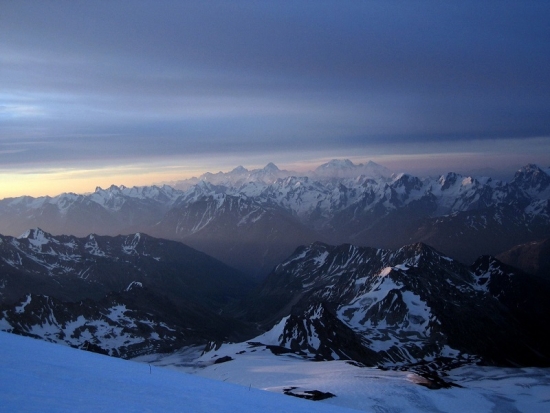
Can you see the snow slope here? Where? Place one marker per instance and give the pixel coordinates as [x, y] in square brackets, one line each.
[484, 389]
[39, 376]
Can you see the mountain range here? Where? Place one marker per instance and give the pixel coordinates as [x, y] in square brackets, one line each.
[252, 220]
[132, 295]
[403, 307]
[373, 268]
[126, 294]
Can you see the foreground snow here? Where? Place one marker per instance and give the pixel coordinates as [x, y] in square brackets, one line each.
[370, 389]
[39, 376]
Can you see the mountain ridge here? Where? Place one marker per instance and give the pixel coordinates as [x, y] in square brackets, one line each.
[462, 216]
[132, 295]
[403, 307]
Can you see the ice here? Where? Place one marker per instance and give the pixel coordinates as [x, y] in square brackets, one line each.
[385, 272]
[419, 313]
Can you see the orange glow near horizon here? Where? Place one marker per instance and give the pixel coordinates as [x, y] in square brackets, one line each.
[37, 182]
[52, 183]
[44, 181]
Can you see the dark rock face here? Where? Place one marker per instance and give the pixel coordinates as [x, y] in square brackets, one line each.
[314, 395]
[413, 306]
[223, 359]
[107, 326]
[404, 307]
[524, 297]
[126, 295]
[74, 268]
[532, 257]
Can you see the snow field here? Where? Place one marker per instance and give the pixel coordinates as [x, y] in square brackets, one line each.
[40, 376]
[36, 376]
[483, 389]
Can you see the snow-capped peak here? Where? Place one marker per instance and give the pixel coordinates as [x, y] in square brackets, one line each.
[336, 164]
[531, 177]
[34, 234]
[271, 167]
[239, 170]
[344, 168]
[36, 237]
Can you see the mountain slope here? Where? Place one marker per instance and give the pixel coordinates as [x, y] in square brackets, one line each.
[395, 307]
[126, 295]
[112, 211]
[533, 257]
[92, 266]
[235, 229]
[39, 376]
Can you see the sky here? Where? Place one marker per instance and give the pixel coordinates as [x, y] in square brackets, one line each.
[141, 92]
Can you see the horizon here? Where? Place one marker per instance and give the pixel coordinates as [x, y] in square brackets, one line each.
[502, 175]
[141, 93]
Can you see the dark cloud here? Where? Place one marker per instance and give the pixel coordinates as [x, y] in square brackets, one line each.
[111, 80]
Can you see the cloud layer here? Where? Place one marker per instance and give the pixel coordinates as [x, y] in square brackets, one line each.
[106, 82]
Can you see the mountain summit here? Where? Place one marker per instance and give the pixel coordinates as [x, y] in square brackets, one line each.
[403, 307]
[344, 168]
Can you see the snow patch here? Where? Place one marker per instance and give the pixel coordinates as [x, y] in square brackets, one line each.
[134, 284]
[129, 246]
[21, 308]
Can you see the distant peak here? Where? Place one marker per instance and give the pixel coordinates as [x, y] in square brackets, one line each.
[529, 167]
[271, 167]
[529, 170]
[344, 168]
[204, 184]
[418, 249]
[112, 188]
[33, 233]
[401, 176]
[36, 237]
[531, 176]
[337, 163]
[239, 169]
[25, 234]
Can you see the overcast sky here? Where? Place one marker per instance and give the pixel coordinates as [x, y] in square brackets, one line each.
[101, 92]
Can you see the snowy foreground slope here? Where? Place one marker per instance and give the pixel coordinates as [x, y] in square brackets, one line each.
[475, 389]
[36, 376]
[40, 376]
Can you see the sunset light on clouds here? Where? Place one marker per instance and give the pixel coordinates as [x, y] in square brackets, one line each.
[135, 93]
